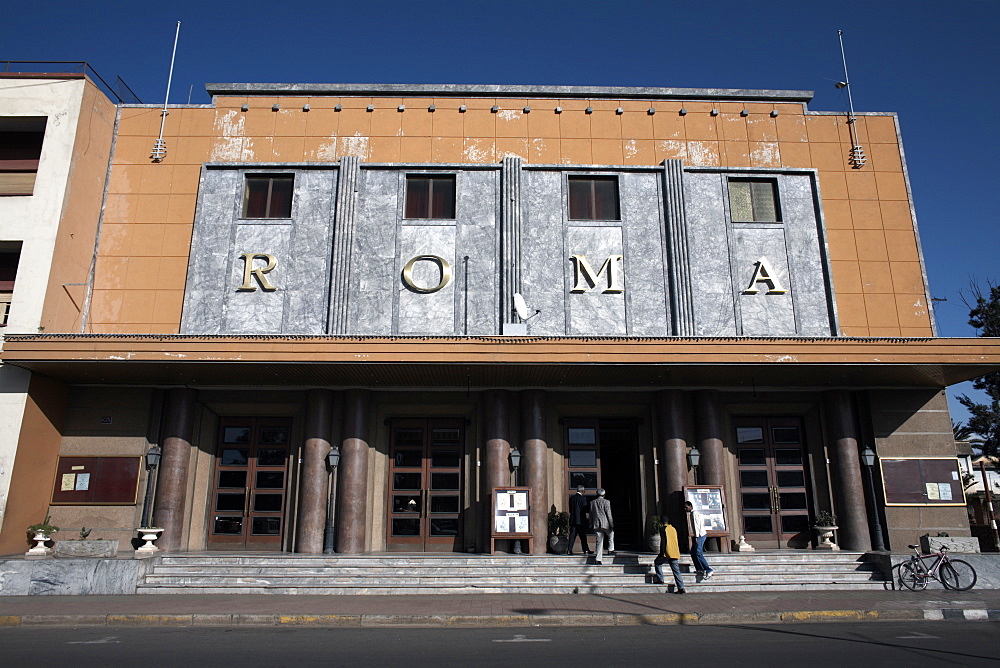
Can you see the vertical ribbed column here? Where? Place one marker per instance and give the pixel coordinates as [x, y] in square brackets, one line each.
[510, 237]
[172, 482]
[678, 263]
[849, 492]
[343, 236]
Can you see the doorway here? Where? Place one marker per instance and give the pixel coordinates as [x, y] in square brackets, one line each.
[604, 453]
[425, 485]
[249, 490]
[774, 498]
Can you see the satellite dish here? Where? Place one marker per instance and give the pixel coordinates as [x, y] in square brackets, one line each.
[520, 307]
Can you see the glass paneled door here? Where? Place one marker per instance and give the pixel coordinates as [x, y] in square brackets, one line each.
[249, 492]
[774, 499]
[425, 485]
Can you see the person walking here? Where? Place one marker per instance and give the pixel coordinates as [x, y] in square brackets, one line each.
[602, 524]
[578, 520]
[698, 544]
[670, 552]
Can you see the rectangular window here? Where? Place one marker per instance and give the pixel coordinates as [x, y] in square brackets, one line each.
[10, 256]
[593, 198]
[430, 196]
[268, 196]
[20, 151]
[754, 201]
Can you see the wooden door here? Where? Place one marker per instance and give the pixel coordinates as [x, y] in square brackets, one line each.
[773, 493]
[250, 487]
[425, 485]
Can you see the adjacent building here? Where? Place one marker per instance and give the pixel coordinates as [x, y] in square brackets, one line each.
[637, 289]
[55, 142]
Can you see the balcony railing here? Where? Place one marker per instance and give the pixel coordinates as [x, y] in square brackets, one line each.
[119, 91]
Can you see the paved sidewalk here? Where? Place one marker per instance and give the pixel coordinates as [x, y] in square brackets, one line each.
[482, 610]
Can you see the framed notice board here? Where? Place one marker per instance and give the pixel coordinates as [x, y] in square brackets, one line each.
[98, 481]
[707, 500]
[922, 481]
[510, 512]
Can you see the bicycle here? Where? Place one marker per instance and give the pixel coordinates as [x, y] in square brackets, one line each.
[952, 573]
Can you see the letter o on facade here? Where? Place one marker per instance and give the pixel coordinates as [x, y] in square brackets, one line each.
[442, 265]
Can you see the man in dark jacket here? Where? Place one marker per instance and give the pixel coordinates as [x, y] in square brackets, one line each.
[578, 520]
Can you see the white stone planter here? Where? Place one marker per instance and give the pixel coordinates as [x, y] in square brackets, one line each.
[149, 535]
[39, 550]
[100, 549]
[824, 538]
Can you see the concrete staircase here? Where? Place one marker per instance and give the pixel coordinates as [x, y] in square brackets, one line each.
[286, 573]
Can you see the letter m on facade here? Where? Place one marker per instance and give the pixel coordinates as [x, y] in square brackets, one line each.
[584, 277]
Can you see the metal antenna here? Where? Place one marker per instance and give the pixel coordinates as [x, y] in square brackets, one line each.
[857, 155]
[160, 146]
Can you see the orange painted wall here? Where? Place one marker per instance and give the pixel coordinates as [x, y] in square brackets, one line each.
[34, 469]
[146, 231]
[74, 247]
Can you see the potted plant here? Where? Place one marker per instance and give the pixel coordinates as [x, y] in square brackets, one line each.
[654, 535]
[558, 531]
[825, 524]
[41, 533]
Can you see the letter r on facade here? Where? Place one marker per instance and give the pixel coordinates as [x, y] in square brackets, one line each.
[250, 272]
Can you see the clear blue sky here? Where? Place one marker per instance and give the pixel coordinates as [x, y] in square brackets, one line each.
[934, 63]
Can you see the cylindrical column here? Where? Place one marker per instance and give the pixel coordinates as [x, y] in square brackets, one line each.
[171, 484]
[352, 489]
[673, 463]
[710, 437]
[313, 474]
[534, 451]
[849, 492]
[497, 470]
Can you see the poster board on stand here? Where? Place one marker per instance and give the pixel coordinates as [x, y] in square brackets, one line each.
[709, 501]
[511, 516]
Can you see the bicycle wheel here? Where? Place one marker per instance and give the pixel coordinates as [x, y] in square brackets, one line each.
[911, 577]
[958, 575]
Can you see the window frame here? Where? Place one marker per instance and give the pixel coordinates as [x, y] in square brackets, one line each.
[19, 160]
[592, 206]
[269, 204]
[429, 209]
[750, 181]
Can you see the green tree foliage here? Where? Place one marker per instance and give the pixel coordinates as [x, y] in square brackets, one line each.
[984, 418]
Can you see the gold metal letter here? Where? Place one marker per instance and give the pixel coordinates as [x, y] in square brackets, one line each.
[763, 273]
[442, 265]
[582, 270]
[256, 272]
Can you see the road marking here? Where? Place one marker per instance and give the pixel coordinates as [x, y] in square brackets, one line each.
[520, 638]
[102, 641]
[914, 635]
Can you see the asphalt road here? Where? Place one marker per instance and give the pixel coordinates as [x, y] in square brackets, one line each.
[881, 644]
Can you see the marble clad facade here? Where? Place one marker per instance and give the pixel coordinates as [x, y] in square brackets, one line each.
[247, 346]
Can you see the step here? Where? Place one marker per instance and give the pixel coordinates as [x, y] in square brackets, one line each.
[626, 572]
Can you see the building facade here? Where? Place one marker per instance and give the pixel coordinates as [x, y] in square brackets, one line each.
[55, 144]
[427, 279]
